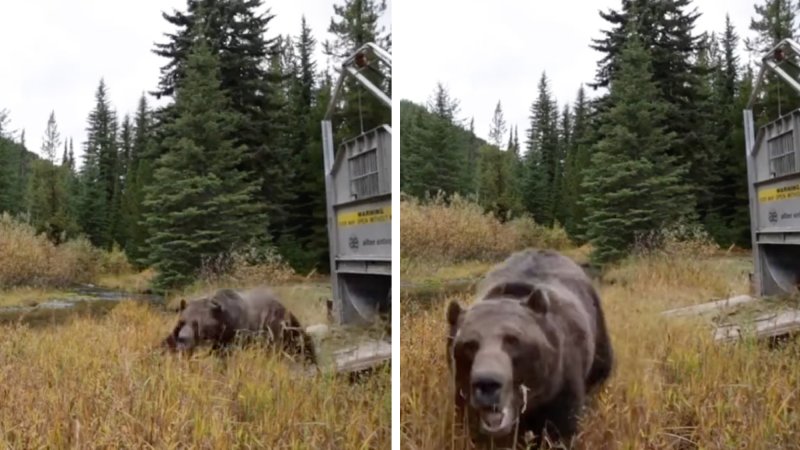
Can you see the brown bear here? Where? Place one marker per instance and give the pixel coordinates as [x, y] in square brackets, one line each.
[527, 352]
[228, 315]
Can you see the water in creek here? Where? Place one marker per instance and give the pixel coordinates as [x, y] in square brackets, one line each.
[84, 300]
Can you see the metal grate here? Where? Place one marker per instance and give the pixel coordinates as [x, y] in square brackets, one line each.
[781, 154]
[364, 174]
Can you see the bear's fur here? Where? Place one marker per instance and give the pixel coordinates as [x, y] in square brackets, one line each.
[529, 350]
[228, 316]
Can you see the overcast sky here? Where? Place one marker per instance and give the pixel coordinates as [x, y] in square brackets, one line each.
[54, 53]
[498, 50]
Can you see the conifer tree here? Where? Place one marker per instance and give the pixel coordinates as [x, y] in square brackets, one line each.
[666, 29]
[562, 168]
[200, 204]
[99, 171]
[139, 174]
[577, 162]
[10, 200]
[49, 190]
[238, 32]
[442, 167]
[540, 180]
[633, 185]
[497, 129]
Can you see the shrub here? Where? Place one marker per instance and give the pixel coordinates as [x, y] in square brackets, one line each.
[30, 259]
[116, 262]
[446, 230]
[253, 265]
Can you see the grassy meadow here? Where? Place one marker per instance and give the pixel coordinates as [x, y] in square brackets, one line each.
[672, 388]
[99, 381]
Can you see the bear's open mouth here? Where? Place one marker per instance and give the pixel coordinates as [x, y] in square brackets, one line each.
[497, 422]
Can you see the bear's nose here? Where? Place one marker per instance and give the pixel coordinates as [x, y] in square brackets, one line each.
[486, 391]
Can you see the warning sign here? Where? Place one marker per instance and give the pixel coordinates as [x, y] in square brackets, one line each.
[365, 216]
[777, 194]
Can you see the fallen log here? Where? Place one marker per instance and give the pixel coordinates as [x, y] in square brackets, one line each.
[702, 308]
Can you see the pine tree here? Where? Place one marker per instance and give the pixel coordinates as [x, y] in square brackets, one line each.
[562, 168]
[316, 241]
[200, 205]
[139, 175]
[73, 186]
[49, 190]
[415, 156]
[540, 180]
[99, 172]
[495, 178]
[576, 163]
[237, 31]
[10, 200]
[633, 185]
[300, 243]
[666, 30]
[497, 129]
[442, 168]
[65, 156]
[119, 216]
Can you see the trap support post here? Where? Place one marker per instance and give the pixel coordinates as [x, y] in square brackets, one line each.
[358, 197]
[773, 181]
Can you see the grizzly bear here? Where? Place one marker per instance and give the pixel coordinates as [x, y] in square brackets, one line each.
[228, 316]
[525, 355]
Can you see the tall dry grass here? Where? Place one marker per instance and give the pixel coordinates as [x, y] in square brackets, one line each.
[672, 388]
[442, 231]
[30, 259]
[98, 384]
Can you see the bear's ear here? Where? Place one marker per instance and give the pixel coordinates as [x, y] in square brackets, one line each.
[182, 305]
[216, 308]
[539, 301]
[454, 311]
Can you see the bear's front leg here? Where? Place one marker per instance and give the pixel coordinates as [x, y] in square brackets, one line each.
[558, 419]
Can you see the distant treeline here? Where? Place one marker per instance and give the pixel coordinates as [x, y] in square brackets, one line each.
[663, 145]
[232, 163]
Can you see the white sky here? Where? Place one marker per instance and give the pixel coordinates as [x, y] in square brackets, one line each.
[497, 50]
[54, 53]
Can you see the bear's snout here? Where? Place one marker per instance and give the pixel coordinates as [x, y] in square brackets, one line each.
[486, 391]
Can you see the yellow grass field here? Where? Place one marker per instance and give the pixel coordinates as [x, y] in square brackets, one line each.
[672, 386]
[97, 383]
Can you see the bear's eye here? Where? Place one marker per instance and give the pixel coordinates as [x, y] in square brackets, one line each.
[467, 348]
[511, 340]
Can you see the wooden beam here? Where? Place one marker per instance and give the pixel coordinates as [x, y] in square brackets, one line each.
[764, 326]
[362, 356]
[708, 307]
[356, 358]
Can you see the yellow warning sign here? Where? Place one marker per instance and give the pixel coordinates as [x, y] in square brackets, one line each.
[365, 216]
[777, 194]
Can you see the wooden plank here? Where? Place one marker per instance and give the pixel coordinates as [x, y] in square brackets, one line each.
[355, 358]
[362, 356]
[708, 307]
[764, 326]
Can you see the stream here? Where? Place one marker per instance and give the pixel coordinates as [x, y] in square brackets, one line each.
[82, 300]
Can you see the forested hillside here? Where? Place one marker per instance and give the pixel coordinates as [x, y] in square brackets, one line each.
[232, 163]
[660, 144]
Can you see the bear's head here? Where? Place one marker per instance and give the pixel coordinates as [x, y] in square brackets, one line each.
[200, 321]
[505, 354]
